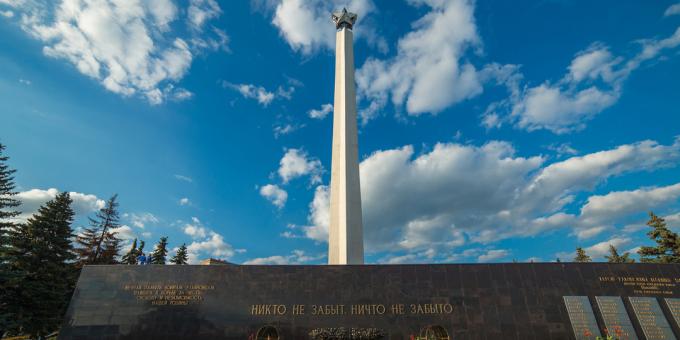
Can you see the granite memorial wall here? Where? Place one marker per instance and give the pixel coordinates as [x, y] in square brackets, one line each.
[452, 301]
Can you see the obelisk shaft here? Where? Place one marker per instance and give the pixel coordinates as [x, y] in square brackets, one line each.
[345, 244]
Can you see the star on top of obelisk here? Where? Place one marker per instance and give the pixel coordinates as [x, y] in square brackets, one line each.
[343, 19]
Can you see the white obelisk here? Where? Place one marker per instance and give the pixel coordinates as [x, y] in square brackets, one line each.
[345, 239]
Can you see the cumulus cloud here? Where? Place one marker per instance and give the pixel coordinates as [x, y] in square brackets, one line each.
[274, 194]
[322, 112]
[428, 74]
[184, 201]
[603, 209]
[598, 250]
[461, 194]
[306, 26]
[296, 163]
[207, 243]
[31, 200]
[128, 46]
[295, 257]
[593, 83]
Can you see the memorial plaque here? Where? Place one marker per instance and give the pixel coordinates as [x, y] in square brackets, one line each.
[509, 301]
[582, 317]
[674, 306]
[651, 318]
[615, 317]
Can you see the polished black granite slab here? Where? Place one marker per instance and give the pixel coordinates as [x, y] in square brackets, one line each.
[463, 301]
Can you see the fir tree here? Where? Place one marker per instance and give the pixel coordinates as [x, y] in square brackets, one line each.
[98, 244]
[161, 251]
[614, 256]
[131, 256]
[111, 249]
[41, 255]
[581, 256]
[667, 248]
[181, 256]
[140, 250]
[7, 211]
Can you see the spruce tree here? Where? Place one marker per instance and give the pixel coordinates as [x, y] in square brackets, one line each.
[161, 251]
[140, 250]
[581, 256]
[41, 255]
[667, 248]
[614, 256]
[97, 243]
[131, 256]
[7, 211]
[181, 256]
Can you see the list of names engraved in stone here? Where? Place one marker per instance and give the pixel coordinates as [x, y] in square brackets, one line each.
[615, 317]
[674, 306]
[582, 317]
[651, 318]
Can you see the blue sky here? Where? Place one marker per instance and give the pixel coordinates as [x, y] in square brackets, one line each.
[489, 131]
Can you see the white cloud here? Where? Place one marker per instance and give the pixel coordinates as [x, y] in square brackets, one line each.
[493, 255]
[207, 243]
[428, 73]
[251, 91]
[201, 11]
[184, 201]
[296, 163]
[124, 232]
[140, 220]
[672, 10]
[296, 257]
[593, 83]
[280, 130]
[306, 27]
[263, 96]
[7, 14]
[601, 209]
[128, 46]
[322, 112]
[598, 250]
[31, 200]
[184, 178]
[212, 246]
[25, 81]
[459, 194]
[274, 194]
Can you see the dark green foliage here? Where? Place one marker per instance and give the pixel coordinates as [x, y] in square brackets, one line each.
[614, 256]
[7, 211]
[131, 256]
[181, 256]
[41, 256]
[667, 248]
[161, 251]
[98, 244]
[581, 256]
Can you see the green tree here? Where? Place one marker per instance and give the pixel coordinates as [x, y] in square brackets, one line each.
[614, 256]
[181, 256]
[131, 256]
[7, 211]
[581, 256]
[42, 256]
[667, 249]
[161, 251]
[99, 243]
[140, 250]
